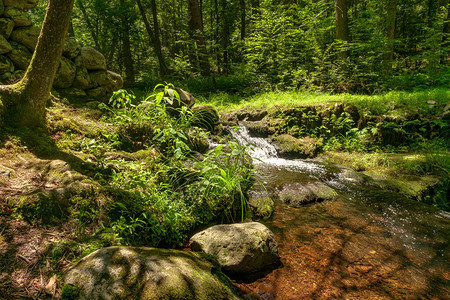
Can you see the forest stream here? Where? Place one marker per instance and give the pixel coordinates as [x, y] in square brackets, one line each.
[367, 244]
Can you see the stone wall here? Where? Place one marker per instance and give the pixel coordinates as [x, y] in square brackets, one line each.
[82, 72]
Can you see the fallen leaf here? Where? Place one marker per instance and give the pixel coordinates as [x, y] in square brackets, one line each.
[50, 288]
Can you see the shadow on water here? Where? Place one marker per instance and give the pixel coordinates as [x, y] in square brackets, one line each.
[367, 244]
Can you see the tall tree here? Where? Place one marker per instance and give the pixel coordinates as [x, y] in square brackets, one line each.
[25, 102]
[341, 24]
[154, 34]
[126, 44]
[196, 34]
[390, 35]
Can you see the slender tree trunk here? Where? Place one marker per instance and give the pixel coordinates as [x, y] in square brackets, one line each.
[25, 101]
[126, 46]
[243, 21]
[390, 35]
[342, 25]
[86, 18]
[225, 35]
[196, 33]
[156, 44]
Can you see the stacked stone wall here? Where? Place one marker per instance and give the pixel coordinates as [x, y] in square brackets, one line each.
[82, 72]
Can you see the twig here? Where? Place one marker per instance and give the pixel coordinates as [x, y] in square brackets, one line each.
[322, 12]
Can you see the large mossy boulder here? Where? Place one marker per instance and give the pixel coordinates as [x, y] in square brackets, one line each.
[6, 65]
[21, 4]
[5, 46]
[65, 74]
[298, 194]
[19, 55]
[147, 274]
[82, 79]
[27, 36]
[239, 248]
[71, 48]
[20, 17]
[6, 27]
[291, 147]
[92, 60]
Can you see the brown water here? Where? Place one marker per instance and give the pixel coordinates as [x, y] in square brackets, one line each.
[367, 244]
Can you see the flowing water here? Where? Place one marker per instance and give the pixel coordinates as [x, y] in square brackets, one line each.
[367, 244]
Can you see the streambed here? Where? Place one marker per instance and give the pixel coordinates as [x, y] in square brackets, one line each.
[367, 244]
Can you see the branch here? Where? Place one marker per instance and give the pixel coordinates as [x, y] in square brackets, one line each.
[318, 15]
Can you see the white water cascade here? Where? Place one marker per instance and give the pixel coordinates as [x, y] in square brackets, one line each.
[264, 153]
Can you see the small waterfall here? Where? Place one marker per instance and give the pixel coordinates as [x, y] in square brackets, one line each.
[265, 153]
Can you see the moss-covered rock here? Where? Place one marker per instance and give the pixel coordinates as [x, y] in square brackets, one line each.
[260, 128]
[5, 46]
[298, 194]
[19, 55]
[6, 27]
[148, 273]
[6, 65]
[92, 59]
[20, 17]
[71, 48]
[27, 36]
[260, 203]
[65, 74]
[291, 147]
[205, 116]
[239, 248]
[21, 4]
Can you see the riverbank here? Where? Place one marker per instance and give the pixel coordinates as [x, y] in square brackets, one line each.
[399, 139]
[137, 175]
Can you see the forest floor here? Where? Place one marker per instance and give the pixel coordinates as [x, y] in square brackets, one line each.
[39, 239]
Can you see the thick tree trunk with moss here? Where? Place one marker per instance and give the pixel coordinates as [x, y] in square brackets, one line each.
[25, 102]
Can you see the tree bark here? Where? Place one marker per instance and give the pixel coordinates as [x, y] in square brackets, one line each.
[126, 46]
[154, 35]
[25, 101]
[390, 35]
[341, 24]
[243, 19]
[196, 34]
[225, 15]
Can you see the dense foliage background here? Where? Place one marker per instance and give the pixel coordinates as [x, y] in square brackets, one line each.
[358, 46]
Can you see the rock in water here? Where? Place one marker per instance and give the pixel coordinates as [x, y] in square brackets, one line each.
[148, 273]
[298, 194]
[239, 248]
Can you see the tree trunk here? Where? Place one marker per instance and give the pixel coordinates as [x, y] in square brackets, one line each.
[341, 25]
[25, 101]
[126, 46]
[243, 21]
[154, 36]
[390, 35]
[196, 34]
[225, 35]
[80, 4]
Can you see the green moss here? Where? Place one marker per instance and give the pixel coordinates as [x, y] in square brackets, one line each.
[69, 292]
[262, 207]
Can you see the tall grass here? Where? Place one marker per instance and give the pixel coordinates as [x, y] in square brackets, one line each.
[386, 103]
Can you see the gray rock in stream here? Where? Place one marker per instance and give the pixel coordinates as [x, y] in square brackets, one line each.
[239, 248]
[298, 194]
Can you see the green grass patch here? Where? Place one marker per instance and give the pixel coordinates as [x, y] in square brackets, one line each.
[395, 103]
